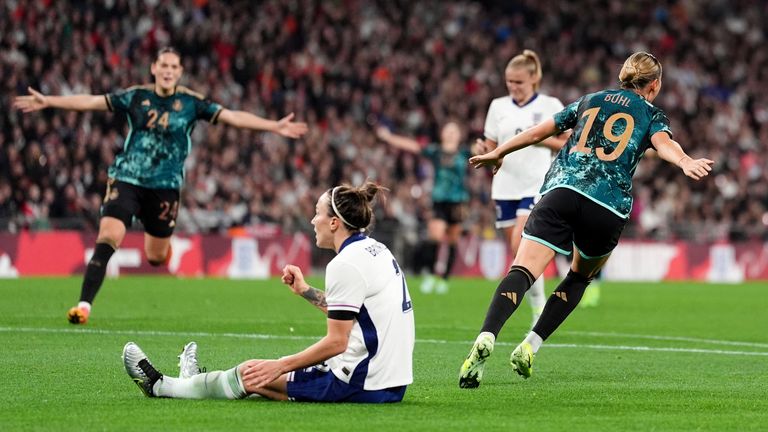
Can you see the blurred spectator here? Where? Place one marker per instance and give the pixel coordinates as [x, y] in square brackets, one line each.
[347, 66]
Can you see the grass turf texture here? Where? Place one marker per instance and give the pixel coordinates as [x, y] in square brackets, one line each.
[650, 357]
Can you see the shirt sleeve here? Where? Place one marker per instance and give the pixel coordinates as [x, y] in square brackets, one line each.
[120, 100]
[344, 287]
[207, 110]
[568, 117]
[430, 151]
[491, 130]
[659, 123]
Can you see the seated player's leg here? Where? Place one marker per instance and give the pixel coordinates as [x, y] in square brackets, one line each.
[120, 204]
[276, 390]
[188, 364]
[210, 385]
[319, 384]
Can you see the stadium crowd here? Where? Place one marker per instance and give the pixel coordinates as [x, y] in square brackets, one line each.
[348, 66]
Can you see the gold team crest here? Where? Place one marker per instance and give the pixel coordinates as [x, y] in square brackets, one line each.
[145, 102]
[177, 106]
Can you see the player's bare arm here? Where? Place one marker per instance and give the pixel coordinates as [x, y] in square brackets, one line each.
[294, 278]
[285, 126]
[398, 141]
[483, 146]
[258, 373]
[36, 101]
[556, 142]
[524, 139]
[670, 150]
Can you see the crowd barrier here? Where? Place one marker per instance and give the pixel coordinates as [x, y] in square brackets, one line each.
[263, 253]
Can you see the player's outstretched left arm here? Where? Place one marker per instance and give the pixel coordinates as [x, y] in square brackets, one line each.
[294, 278]
[670, 150]
[285, 126]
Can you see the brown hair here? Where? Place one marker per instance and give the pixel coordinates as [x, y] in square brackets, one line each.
[639, 70]
[528, 60]
[353, 205]
[167, 50]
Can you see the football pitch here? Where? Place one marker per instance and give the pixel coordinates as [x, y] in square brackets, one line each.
[651, 356]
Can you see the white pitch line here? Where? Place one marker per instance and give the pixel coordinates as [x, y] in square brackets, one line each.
[425, 341]
[667, 338]
[633, 336]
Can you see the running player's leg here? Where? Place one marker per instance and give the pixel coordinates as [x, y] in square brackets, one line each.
[120, 204]
[567, 295]
[435, 235]
[531, 260]
[452, 235]
[536, 296]
[158, 249]
[596, 234]
[158, 214]
[529, 264]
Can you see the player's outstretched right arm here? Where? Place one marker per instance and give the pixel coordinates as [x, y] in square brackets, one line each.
[524, 139]
[36, 101]
[294, 278]
[398, 141]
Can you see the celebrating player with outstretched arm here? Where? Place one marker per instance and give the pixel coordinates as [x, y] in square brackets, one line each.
[450, 194]
[367, 353]
[145, 179]
[586, 201]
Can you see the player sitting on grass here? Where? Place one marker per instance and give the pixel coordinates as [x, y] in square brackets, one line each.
[585, 205]
[367, 353]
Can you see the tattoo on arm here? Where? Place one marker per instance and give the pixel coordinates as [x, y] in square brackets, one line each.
[316, 297]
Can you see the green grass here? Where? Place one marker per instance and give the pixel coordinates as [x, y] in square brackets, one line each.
[651, 357]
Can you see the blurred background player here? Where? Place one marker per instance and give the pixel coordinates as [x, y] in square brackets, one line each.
[367, 353]
[449, 197]
[586, 200]
[516, 185]
[145, 179]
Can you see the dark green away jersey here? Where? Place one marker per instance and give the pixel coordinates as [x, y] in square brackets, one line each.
[612, 129]
[160, 134]
[450, 174]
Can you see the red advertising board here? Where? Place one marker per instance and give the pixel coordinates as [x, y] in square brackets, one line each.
[67, 252]
[257, 254]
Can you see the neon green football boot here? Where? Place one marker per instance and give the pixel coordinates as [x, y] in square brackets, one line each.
[522, 360]
[471, 372]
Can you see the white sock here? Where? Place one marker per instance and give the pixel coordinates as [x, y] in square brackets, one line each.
[536, 296]
[535, 341]
[489, 334]
[84, 305]
[211, 385]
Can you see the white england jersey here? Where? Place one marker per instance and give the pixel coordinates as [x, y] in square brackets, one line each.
[522, 173]
[365, 278]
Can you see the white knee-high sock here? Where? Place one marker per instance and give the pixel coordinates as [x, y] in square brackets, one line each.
[536, 296]
[212, 385]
